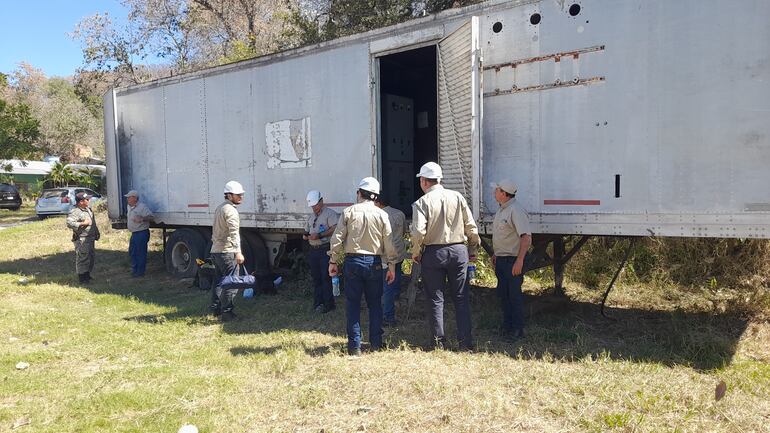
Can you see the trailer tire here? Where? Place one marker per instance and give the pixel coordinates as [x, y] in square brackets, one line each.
[256, 254]
[183, 247]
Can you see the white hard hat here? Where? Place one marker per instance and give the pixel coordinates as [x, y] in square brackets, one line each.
[430, 170]
[233, 187]
[313, 197]
[506, 185]
[370, 184]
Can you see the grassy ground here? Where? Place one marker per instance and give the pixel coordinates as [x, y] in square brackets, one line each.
[12, 217]
[127, 355]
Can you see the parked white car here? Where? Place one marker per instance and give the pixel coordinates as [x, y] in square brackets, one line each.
[59, 201]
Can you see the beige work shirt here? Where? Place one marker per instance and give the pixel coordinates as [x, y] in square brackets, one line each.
[511, 222]
[76, 216]
[397, 229]
[225, 237]
[363, 229]
[442, 217]
[139, 211]
[328, 218]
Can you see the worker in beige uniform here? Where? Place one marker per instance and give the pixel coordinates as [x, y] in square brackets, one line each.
[511, 238]
[391, 291]
[226, 249]
[319, 227]
[82, 222]
[442, 223]
[361, 238]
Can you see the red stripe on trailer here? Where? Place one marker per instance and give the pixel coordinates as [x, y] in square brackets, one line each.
[572, 202]
[339, 204]
[197, 205]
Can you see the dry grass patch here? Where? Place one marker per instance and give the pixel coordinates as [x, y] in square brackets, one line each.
[125, 355]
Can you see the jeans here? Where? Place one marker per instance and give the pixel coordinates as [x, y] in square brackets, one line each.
[389, 294]
[509, 292]
[222, 299]
[447, 264]
[319, 271]
[363, 276]
[137, 250]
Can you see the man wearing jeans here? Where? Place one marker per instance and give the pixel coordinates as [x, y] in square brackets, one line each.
[392, 290]
[320, 225]
[361, 237]
[441, 224]
[226, 249]
[511, 238]
[138, 222]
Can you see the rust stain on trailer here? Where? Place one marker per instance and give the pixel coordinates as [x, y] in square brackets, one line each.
[555, 56]
[572, 202]
[197, 205]
[555, 85]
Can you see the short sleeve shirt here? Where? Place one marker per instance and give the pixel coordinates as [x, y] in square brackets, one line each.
[510, 223]
[327, 218]
[141, 211]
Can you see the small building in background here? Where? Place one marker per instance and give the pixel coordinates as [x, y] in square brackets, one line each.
[24, 173]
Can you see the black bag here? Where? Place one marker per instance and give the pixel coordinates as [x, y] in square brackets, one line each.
[204, 278]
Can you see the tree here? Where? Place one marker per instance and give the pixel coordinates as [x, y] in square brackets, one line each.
[18, 129]
[61, 175]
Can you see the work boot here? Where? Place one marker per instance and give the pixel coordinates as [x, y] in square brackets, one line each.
[88, 277]
[82, 278]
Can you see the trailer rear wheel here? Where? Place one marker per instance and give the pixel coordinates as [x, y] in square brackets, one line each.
[255, 252]
[183, 247]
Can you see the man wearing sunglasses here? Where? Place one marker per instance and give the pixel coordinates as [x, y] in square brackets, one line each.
[226, 249]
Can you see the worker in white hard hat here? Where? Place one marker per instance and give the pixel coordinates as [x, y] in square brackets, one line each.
[226, 249]
[361, 240]
[318, 229]
[511, 238]
[391, 291]
[442, 223]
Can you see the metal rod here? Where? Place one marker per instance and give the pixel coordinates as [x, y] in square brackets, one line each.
[617, 274]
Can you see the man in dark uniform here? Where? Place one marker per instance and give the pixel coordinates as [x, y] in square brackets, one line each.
[84, 233]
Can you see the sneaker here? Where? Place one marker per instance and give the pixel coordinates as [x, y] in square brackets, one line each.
[228, 316]
[318, 309]
[355, 351]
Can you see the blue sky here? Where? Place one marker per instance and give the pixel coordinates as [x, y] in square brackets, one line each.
[35, 31]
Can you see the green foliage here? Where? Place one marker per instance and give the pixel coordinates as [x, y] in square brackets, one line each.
[60, 175]
[18, 131]
[434, 6]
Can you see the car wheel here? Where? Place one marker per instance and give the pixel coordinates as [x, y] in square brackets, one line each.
[182, 248]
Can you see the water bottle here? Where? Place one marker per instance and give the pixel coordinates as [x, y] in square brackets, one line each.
[321, 229]
[471, 272]
[277, 282]
[248, 293]
[336, 285]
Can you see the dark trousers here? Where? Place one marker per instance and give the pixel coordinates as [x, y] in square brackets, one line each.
[447, 263]
[322, 282]
[363, 277]
[137, 250]
[389, 294]
[222, 299]
[509, 292]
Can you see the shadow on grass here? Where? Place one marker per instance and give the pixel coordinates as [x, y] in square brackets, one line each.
[556, 329]
[311, 351]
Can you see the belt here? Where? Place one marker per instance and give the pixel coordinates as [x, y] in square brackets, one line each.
[361, 255]
[444, 245]
[326, 245]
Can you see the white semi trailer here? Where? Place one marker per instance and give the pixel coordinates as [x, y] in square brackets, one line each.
[615, 117]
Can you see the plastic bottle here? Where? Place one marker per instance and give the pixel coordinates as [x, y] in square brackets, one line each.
[471, 272]
[336, 285]
[277, 282]
[321, 229]
[248, 293]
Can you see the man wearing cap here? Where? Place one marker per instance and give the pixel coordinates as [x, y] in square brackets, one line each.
[361, 239]
[511, 238]
[320, 225]
[441, 224]
[226, 249]
[138, 222]
[391, 291]
[84, 233]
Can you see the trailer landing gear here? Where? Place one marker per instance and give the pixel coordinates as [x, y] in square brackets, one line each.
[540, 258]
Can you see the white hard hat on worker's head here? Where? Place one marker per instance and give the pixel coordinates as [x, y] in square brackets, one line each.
[430, 170]
[234, 187]
[313, 197]
[370, 184]
[506, 185]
